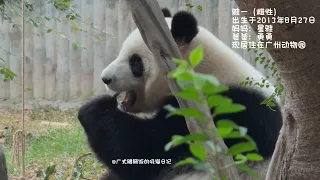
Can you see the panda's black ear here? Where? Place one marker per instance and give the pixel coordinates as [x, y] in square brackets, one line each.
[166, 12]
[184, 27]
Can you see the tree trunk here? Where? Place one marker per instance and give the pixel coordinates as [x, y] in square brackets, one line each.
[297, 153]
[156, 34]
[3, 166]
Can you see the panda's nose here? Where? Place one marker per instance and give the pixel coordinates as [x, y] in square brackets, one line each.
[107, 80]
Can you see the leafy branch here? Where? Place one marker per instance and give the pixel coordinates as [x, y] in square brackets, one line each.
[264, 83]
[36, 23]
[205, 90]
[7, 73]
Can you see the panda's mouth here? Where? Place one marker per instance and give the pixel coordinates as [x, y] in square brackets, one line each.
[128, 101]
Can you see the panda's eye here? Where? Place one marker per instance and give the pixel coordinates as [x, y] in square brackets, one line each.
[136, 65]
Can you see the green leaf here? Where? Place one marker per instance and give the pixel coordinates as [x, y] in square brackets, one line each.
[196, 137]
[27, 89]
[175, 141]
[75, 45]
[34, 23]
[227, 109]
[226, 123]
[208, 78]
[254, 157]
[75, 28]
[178, 140]
[62, 35]
[179, 61]
[185, 76]
[72, 16]
[266, 101]
[222, 132]
[208, 89]
[185, 85]
[271, 104]
[186, 161]
[235, 135]
[49, 171]
[241, 148]
[225, 127]
[241, 158]
[49, 30]
[189, 5]
[246, 169]
[199, 8]
[261, 61]
[218, 100]
[200, 81]
[183, 65]
[188, 112]
[212, 80]
[196, 56]
[198, 150]
[189, 95]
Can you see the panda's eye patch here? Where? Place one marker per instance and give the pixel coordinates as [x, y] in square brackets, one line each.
[136, 65]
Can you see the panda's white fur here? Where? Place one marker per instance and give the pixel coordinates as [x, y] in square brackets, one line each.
[219, 60]
[152, 88]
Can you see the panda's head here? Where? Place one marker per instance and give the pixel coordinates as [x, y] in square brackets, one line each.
[135, 72]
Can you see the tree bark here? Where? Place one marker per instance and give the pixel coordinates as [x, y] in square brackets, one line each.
[297, 153]
[156, 34]
[3, 166]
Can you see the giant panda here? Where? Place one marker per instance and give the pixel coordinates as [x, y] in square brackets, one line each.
[131, 123]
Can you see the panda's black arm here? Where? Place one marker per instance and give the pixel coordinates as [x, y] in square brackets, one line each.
[98, 119]
[114, 134]
[90, 112]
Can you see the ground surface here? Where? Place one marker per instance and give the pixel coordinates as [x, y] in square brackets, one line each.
[54, 137]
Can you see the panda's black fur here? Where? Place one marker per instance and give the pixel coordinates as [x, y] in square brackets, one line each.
[184, 26]
[166, 12]
[114, 134]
